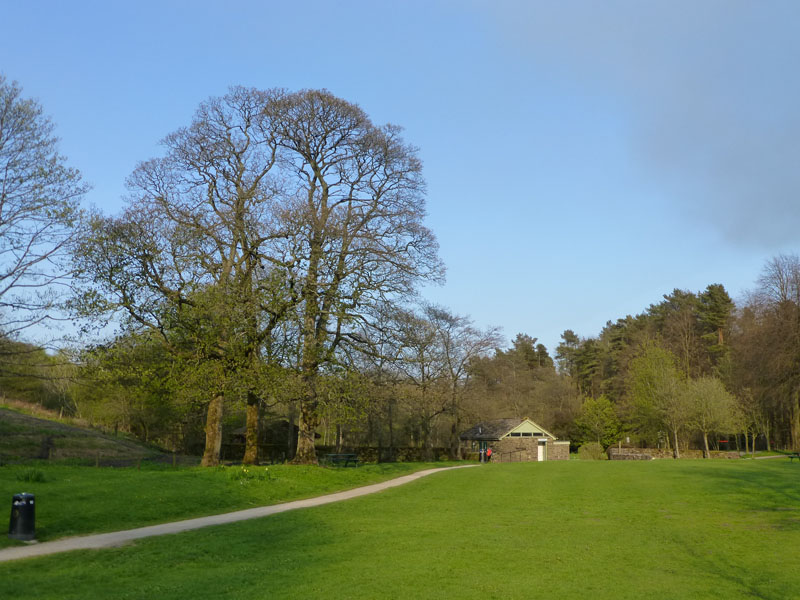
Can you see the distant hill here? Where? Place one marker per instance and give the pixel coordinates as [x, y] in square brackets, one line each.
[24, 437]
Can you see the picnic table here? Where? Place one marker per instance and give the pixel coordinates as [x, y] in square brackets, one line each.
[342, 459]
[793, 455]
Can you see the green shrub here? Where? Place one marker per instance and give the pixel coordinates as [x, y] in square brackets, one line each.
[592, 451]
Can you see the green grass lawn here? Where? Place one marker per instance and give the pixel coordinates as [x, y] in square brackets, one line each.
[573, 529]
[79, 500]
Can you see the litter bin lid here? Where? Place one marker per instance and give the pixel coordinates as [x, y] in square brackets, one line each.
[23, 497]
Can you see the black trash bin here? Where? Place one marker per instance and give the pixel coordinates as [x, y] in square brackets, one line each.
[22, 525]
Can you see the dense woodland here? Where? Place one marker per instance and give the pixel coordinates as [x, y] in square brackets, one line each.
[265, 271]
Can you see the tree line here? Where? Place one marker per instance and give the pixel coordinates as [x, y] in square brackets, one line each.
[696, 364]
[267, 265]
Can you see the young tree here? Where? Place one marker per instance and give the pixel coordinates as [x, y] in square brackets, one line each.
[39, 207]
[753, 418]
[598, 421]
[129, 385]
[460, 343]
[656, 392]
[712, 408]
[420, 358]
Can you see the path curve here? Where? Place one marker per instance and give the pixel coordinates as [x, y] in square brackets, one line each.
[118, 538]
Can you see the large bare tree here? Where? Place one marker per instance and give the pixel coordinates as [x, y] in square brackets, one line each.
[422, 385]
[461, 343]
[433, 350]
[272, 210]
[767, 348]
[187, 257]
[355, 199]
[39, 206]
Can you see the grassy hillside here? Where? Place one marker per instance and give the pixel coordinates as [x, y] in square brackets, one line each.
[24, 437]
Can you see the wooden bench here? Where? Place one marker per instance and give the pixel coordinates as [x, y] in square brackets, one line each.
[342, 459]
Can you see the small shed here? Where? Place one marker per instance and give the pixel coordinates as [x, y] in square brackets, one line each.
[514, 440]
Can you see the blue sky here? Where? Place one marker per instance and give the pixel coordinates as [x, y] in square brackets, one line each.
[582, 158]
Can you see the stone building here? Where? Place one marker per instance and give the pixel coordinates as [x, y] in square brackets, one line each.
[513, 440]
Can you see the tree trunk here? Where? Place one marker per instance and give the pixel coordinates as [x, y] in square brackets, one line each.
[795, 424]
[767, 436]
[380, 440]
[251, 431]
[391, 432]
[291, 441]
[427, 438]
[306, 452]
[213, 433]
[706, 453]
[327, 429]
[676, 453]
[454, 441]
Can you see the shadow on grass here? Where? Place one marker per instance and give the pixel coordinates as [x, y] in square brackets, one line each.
[764, 497]
[758, 485]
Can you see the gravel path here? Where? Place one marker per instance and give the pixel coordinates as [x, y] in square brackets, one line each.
[118, 538]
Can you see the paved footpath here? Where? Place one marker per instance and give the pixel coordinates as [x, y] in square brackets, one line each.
[118, 538]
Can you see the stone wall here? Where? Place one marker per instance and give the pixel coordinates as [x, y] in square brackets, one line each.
[558, 450]
[517, 449]
[616, 453]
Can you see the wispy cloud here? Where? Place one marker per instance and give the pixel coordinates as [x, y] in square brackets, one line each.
[712, 91]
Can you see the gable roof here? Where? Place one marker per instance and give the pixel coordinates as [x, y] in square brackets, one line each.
[499, 428]
[490, 430]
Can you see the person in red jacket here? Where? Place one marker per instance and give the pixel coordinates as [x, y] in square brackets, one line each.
[488, 454]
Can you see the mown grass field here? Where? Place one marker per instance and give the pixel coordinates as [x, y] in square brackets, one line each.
[660, 529]
[74, 500]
